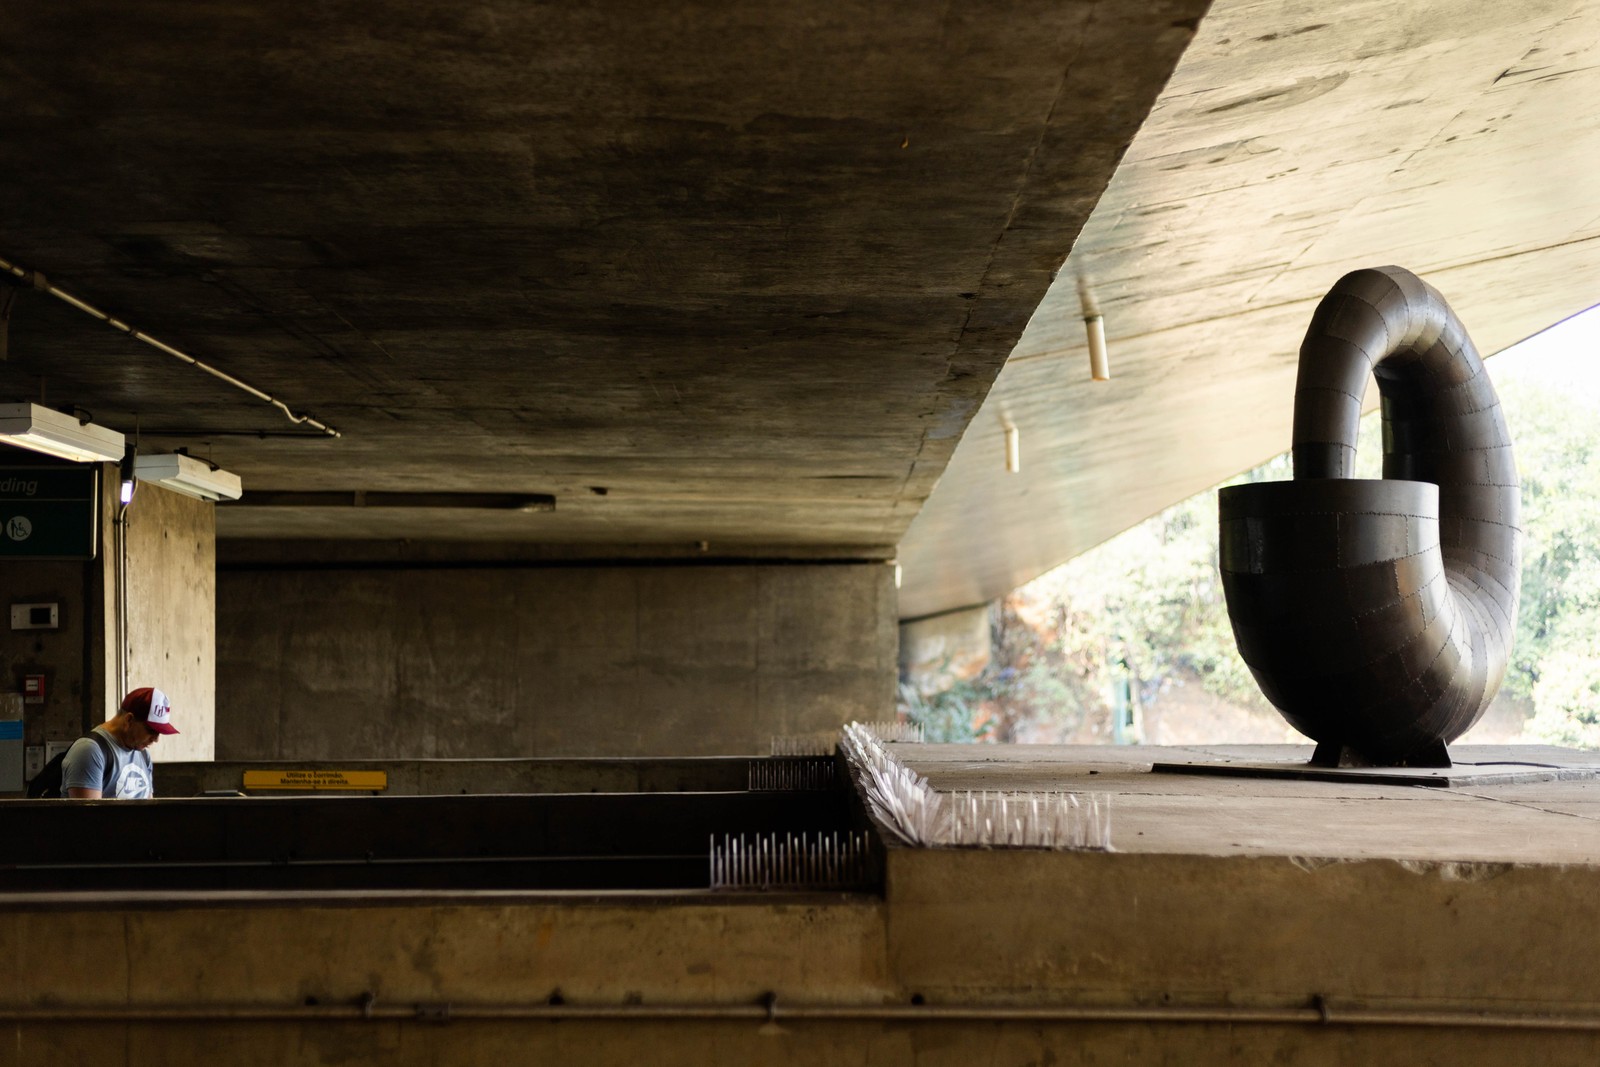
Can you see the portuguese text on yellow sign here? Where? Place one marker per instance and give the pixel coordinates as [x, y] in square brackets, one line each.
[366, 781]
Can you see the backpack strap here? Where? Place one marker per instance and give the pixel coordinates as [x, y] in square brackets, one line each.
[109, 757]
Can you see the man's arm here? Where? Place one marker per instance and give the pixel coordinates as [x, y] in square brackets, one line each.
[83, 770]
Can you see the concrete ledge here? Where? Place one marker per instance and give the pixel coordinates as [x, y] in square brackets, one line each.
[1241, 922]
[1099, 928]
[433, 777]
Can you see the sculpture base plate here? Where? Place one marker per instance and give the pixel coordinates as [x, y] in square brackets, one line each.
[1458, 776]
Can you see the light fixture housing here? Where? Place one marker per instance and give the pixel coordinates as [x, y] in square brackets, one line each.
[1013, 449]
[187, 475]
[41, 429]
[1099, 361]
[125, 493]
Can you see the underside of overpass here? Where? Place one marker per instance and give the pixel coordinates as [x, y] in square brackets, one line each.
[634, 368]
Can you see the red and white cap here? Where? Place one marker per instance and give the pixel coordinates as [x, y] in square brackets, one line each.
[151, 707]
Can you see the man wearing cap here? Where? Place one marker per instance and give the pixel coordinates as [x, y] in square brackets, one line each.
[145, 715]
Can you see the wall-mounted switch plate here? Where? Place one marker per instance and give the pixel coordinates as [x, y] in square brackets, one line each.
[35, 616]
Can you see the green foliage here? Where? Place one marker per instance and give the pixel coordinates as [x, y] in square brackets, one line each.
[1556, 660]
[1148, 600]
[1558, 454]
[1566, 698]
[951, 714]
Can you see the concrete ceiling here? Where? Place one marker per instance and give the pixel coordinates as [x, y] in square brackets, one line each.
[1293, 144]
[736, 274]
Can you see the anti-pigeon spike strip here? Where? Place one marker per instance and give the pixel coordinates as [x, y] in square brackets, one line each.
[893, 731]
[804, 744]
[908, 807]
[789, 774]
[790, 861]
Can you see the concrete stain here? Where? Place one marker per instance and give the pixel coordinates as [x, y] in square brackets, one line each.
[1457, 871]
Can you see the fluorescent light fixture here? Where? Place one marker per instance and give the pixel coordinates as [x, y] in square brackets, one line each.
[41, 429]
[191, 477]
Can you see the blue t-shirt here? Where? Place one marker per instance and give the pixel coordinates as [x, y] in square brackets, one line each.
[85, 768]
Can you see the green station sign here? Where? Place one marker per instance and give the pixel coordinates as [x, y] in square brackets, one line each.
[49, 512]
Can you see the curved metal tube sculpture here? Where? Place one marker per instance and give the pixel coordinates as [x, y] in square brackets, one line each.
[1377, 616]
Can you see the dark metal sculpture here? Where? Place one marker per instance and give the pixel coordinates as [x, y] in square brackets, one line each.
[1377, 616]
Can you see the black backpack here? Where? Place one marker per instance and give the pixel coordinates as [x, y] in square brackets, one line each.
[47, 783]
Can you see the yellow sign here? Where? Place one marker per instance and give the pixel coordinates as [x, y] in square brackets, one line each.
[367, 781]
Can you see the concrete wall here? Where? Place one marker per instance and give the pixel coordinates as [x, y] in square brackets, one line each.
[169, 613]
[940, 650]
[479, 661]
[999, 957]
[60, 654]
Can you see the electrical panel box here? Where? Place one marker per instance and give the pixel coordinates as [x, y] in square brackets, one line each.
[35, 616]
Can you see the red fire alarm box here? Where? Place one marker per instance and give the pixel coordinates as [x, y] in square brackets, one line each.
[33, 689]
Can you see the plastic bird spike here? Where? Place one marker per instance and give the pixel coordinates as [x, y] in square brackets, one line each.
[891, 731]
[904, 803]
[790, 861]
[791, 774]
[804, 744]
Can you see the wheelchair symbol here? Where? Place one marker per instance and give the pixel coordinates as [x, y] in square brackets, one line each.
[19, 528]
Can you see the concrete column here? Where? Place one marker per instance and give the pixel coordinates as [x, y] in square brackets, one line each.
[163, 569]
[937, 651]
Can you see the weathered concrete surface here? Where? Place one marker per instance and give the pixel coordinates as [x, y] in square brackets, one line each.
[936, 651]
[751, 270]
[791, 1044]
[515, 951]
[1289, 148]
[1473, 921]
[1551, 822]
[170, 613]
[1209, 930]
[531, 661]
